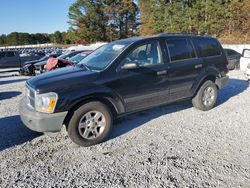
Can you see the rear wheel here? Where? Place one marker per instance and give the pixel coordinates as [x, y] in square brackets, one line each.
[90, 124]
[206, 96]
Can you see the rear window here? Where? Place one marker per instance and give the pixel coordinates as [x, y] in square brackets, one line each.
[180, 49]
[232, 52]
[208, 47]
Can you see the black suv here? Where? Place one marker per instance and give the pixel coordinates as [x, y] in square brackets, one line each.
[123, 77]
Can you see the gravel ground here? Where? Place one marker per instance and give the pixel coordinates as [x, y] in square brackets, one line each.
[171, 146]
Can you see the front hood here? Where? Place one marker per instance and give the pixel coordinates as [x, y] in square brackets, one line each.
[30, 62]
[62, 79]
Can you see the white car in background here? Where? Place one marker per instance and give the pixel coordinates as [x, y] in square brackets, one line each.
[245, 59]
[245, 62]
[247, 73]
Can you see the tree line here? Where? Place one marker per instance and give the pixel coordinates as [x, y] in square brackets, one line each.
[228, 20]
[107, 20]
[17, 38]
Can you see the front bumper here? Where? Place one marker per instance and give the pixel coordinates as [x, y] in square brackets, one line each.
[40, 122]
[27, 70]
[221, 82]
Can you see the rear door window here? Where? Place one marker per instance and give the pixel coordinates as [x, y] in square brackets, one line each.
[207, 47]
[180, 49]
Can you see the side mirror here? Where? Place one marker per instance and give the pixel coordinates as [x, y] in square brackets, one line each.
[129, 66]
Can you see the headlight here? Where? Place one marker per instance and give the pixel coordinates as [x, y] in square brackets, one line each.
[46, 103]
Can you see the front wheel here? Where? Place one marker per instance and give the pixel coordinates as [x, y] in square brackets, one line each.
[90, 124]
[206, 96]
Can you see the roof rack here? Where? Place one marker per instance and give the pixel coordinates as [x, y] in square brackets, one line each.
[191, 34]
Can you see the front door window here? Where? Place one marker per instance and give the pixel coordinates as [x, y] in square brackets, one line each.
[146, 55]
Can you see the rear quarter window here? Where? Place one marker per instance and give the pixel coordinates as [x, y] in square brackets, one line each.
[180, 49]
[208, 47]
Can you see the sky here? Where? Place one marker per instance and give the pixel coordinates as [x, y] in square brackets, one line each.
[34, 16]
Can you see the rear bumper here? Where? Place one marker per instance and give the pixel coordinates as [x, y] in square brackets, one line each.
[221, 82]
[40, 122]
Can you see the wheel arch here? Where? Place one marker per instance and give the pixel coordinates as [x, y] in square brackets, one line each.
[108, 101]
[209, 74]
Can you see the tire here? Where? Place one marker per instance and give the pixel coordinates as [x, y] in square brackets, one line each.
[85, 129]
[204, 101]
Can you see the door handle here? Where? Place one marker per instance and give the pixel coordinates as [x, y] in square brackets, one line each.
[198, 66]
[159, 73]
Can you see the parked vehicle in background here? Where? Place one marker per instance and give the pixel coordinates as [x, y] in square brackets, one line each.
[91, 47]
[233, 58]
[40, 66]
[123, 77]
[55, 63]
[79, 57]
[11, 59]
[28, 68]
[247, 73]
[245, 59]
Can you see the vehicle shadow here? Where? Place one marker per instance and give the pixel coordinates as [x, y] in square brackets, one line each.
[9, 94]
[233, 88]
[11, 81]
[13, 132]
[130, 122]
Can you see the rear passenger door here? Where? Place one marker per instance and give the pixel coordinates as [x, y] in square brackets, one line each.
[184, 67]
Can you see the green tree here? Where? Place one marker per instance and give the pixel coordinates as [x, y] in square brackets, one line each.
[122, 18]
[103, 20]
[56, 37]
[88, 20]
[146, 17]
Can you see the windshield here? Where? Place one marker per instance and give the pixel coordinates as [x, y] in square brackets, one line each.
[44, 58]
[103, 56]
[63, 56]
[76, 59]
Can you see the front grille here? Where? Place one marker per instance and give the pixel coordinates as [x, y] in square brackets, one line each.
[30, 97]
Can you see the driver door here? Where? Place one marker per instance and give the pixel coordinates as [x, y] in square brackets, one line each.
[145, 85]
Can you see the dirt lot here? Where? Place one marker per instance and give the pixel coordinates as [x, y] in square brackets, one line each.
[175, 146]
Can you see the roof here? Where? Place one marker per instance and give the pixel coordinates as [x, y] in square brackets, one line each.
[134, 39]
